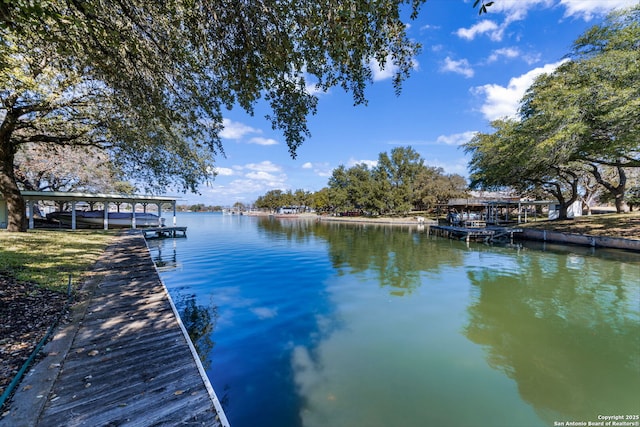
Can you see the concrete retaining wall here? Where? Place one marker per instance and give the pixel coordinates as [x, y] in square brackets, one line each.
[580, 239]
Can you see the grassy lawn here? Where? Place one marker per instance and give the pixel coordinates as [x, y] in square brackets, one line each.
[611, 225]
[47, 258]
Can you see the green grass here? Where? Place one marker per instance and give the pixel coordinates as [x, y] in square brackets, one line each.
[47, 258]
[625, 225]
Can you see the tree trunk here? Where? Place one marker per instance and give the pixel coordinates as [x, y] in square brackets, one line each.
[617, 191]
[620, 203]
[17, 218]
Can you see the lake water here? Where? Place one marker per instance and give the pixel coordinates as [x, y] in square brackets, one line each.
[313, 324]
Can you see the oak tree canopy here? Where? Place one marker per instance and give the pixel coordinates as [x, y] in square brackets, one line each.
[148, 81]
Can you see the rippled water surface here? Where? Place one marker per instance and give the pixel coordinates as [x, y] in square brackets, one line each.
[311, 324]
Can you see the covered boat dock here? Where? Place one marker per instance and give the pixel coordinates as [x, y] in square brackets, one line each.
[106, 200]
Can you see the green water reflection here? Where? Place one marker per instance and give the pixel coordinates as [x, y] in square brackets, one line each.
[566, 329]
[559, 333]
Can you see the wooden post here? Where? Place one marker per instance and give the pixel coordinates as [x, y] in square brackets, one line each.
[106, 214]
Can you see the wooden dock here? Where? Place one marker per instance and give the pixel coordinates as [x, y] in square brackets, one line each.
[160, 232]
[484, 234]
[130, 361]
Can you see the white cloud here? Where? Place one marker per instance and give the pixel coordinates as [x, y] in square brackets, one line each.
[460, 67]
[236, 130]
[263, 141]
[252, 180]
[456, 138]
[460, 166]
[371, 163]
[516, 10]
[513, 52]
[389, 70]
[265, 166]
[531, 58]
[223, 171]
[323, 169]
[261, 176]
[482, 27]
[313, 89]
[503, 101]
[506, 52]
[588, 9]
[429, 27]
[382, 73]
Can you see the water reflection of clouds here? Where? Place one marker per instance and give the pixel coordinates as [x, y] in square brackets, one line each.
[264, 312]
[230, 300]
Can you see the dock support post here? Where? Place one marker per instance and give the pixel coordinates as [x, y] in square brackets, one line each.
[30, 210]
[173, 204]
[73, 215]
[159, 214]
[133, 215]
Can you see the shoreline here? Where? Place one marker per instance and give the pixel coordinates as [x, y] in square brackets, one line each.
[527, 234]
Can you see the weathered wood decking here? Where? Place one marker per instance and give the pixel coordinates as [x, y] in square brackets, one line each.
[130, 363]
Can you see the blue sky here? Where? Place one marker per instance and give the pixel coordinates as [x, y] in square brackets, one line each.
[472, 69]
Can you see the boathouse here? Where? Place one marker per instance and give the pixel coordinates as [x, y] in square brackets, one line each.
[498, 208]
[105, 201]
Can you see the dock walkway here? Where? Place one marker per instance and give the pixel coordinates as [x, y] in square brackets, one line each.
[129, 361]
[160, 232]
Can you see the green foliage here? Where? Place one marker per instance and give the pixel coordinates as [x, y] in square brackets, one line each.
[581, 119]
[275, 199]
[397, 173]
[398, 184]
[434, 187]
[633, 197]
[148, 81]
[189, 59]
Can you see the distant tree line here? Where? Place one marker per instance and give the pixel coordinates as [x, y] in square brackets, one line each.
[198, 207]
[398, 184]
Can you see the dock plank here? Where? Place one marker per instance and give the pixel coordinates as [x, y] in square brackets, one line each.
[130, 363]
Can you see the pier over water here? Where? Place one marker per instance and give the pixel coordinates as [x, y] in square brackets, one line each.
[128, 359]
